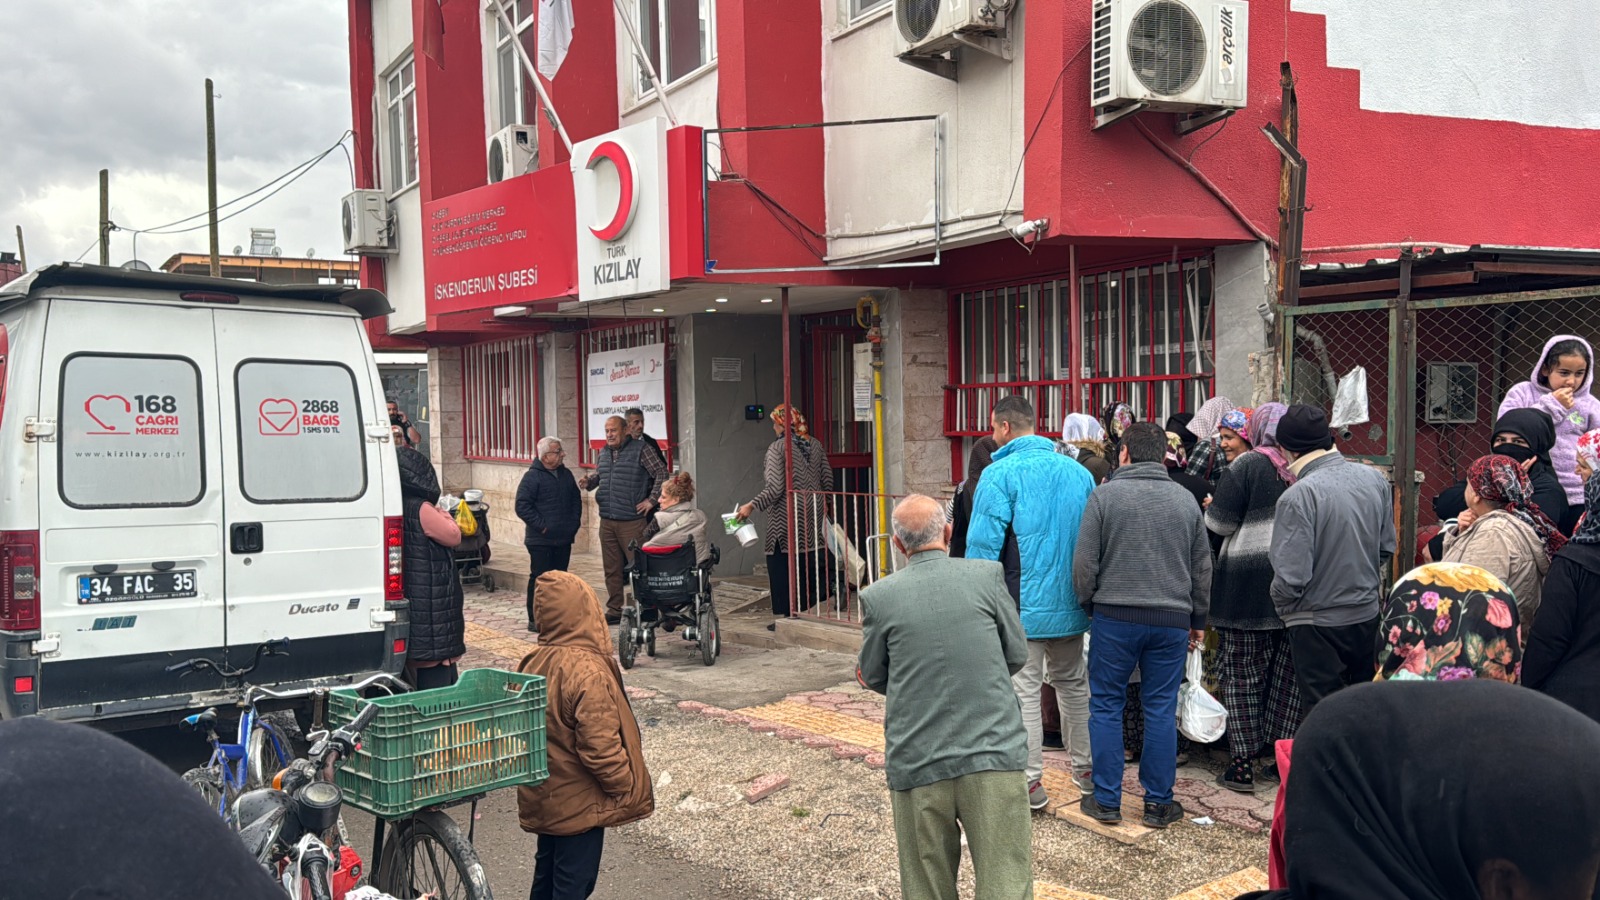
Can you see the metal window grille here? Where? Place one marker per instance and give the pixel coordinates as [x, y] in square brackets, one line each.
[500, 388]
[1145, 336]
[623, 336]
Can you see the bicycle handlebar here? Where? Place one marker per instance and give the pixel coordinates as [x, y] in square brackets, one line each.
[315, 871]
[256, 692]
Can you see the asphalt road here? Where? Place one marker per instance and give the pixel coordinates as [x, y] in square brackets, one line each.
[628, 869]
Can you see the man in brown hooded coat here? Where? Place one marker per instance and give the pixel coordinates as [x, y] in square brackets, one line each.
[597, 777]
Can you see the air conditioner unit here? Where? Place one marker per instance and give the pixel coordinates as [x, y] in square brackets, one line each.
[513, 151]
[368, 227]
[928, 32]
[1183, 56]
[1451, 393]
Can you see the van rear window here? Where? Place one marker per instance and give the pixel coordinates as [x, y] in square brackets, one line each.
[130, 431]
[300, 432]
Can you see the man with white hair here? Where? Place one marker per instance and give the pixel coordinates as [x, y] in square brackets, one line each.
[940, 640]
[549, 503]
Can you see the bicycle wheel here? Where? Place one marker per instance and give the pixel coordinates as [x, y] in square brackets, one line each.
[269, 751]
[208, 784]
[430, 852]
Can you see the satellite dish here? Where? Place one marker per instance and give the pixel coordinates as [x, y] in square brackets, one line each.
[311, 253]
[277, 251]
[137, 265]
[238, 249]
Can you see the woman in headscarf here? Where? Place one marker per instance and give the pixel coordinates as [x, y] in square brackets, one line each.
[438, 635]
[1441, 791]
[1233, 433]
[1503, 532]
[1206, 459]
[1449, 622]
[1115, 419]
[1084, 439]
[1174, 460]
[1563, 654]
[1523, 435]
[812, 475]
[1256, 671]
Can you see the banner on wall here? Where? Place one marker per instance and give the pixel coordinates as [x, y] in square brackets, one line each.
[620, 380]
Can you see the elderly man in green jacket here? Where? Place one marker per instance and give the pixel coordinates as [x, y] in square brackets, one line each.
[941, 640]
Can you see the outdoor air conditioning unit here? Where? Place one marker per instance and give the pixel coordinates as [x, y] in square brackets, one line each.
[513, 151]
[1183, 56]
[368, 227]
[929, 32]
[1451, 394]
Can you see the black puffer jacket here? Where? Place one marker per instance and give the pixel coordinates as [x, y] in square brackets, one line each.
[438, 626]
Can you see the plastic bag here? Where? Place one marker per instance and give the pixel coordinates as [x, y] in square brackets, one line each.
[845, 552]
[1350, 402]
[1200, 717]
[465, 520]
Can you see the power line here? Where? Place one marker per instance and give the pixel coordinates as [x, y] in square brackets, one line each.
[292, 175]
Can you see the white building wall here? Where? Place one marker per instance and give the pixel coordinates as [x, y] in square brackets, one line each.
[880, 178]
[391, 42]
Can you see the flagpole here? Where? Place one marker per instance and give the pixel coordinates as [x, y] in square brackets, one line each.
[644, 59]
[533, 73]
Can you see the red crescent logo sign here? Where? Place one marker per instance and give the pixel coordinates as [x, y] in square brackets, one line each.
[627, 195]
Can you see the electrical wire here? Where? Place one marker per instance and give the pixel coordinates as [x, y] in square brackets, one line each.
[86, 250]
[1209, 138]
[292, 175]
[1039, 123]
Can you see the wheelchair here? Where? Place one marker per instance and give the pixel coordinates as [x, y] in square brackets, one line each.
[668, 589]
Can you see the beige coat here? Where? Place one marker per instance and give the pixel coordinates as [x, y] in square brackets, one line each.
[1509, 548]
[676, 525]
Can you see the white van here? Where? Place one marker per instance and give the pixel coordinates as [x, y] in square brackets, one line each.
[192, 467]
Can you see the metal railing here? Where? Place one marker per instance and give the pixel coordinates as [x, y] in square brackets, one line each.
[852, 550]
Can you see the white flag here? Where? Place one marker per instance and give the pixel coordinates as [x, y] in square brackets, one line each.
[555, 35]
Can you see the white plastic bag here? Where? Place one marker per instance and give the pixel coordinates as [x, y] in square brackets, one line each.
[1200, 717]
[1350, 403]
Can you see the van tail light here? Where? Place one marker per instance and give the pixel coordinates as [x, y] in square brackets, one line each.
[19, 580]
[394, 531]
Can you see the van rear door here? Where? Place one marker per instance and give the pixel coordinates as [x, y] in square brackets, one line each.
[130, 502]
[304, 512]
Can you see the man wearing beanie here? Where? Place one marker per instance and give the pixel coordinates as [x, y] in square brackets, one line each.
[1331, 538]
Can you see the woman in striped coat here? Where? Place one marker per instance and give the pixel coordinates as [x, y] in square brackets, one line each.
[812, 475]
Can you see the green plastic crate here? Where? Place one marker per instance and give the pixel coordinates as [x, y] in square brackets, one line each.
[424, 748]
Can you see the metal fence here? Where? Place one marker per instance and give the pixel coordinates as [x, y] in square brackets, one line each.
[854, 551]
[1437, 371]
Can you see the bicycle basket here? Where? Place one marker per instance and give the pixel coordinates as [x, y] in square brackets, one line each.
[424, 748]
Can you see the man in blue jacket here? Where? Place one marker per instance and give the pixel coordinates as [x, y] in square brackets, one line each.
[1040, 495]
[549, 504]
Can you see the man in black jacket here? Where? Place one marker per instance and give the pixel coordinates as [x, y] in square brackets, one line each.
[549, 503]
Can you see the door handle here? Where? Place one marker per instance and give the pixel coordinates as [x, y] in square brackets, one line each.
[246, 537]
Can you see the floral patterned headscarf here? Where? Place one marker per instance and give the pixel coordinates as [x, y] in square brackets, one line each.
[1116, 418]
[1500, 480]
[1589, 526]
[1589, 448]
[1237, 421]
[1264, 437]
[783, 415]
[1448, 622]
[1175, 457]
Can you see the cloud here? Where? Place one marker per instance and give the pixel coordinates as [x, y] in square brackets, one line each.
[118, 84]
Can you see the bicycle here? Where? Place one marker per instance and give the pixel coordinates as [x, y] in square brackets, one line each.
[260, 748]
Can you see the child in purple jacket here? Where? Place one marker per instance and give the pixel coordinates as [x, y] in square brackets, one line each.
[1560, 388]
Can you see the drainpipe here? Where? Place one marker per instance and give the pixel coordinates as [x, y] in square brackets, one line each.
[872, 321]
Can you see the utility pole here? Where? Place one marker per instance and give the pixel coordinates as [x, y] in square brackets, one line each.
[22, 251]
[105, 217]
[211, 178]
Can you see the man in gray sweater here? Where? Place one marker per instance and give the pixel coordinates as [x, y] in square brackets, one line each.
[1143, 571]
[941, 640]
[1332, 536]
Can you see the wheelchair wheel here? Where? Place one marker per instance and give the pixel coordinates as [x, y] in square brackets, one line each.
[488, 582]
[650, 643]
[627, 640]
[710, 636]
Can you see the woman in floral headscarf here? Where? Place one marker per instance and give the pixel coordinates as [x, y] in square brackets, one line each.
[1116, 418]
[1448, 622]
[1233, 433]
[1207, 459]
[812, 476]
[1504, 532]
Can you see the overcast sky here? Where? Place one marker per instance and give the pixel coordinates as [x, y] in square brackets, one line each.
[119, 85]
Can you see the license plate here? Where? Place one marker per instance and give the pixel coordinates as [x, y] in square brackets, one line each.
[123, 586]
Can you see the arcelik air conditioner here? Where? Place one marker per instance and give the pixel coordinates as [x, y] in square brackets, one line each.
[1183, 56]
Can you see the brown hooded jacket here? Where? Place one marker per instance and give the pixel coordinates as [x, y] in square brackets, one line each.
[598, 777]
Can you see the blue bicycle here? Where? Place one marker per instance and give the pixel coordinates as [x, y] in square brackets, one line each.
[260, 749]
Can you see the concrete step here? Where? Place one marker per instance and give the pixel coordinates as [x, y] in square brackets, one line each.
[749, 629]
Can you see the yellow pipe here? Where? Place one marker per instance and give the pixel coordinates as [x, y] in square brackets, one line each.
[879, 472]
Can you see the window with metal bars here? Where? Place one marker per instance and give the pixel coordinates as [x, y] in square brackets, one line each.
[1143, 335]
[623, 336]
[500, 392]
